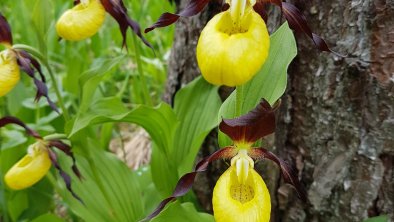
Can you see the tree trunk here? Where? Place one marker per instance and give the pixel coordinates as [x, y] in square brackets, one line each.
[336, 122]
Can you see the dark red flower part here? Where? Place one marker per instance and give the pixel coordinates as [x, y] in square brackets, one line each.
[118, 11]
[66, 149]
[13, 120]
[63, 174]
[29, 65]
[186, 181]
[297, 22]
[252, 126]
[5, 31]
[289, 173]
[192, 8]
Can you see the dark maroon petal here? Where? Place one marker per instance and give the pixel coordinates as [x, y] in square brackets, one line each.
[29, 65]
[67, 150]
[298, 23]
[259, 7]
[289, 173]
[5, 31]
[118, 11]
[63, 174]
[185, 183]
[76, 2]
[193, 8]
[13, 120]
[225, 7]
[251, 126]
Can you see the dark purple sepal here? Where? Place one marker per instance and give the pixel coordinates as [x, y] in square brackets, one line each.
[13, 120]
[66, 149]
[5, 31]
[252, 126]
[192, 8]
[185, 183]
[298, 23]
[63, 174]
[259, 7]
[289, 173]
[29, 65]
[118, 11]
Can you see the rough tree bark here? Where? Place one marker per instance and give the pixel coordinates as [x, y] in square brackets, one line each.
[336, 122]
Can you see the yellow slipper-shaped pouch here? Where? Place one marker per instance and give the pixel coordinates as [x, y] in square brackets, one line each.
[30, 169]
[82, 21]
[230, 54]
[9, 71]
[236, 201]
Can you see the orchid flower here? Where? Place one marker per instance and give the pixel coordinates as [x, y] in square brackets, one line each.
[12, 60]
[38, 160]
[87, 16]
[240, 194]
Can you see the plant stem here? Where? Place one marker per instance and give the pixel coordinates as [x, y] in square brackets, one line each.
[56, 136]
[238, 100]
[145, 91]
[66, 115]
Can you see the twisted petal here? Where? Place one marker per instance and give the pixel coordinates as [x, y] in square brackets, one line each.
[82, 21]
[9, 71]
[241, 202]
[229, 55]
[30, 169]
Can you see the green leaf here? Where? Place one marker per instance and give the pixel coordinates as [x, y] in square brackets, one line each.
[177, 212]
[382, 218]
[90, 80]
[17, 203]
[196, 106]
[159, 122]
[42, 18]
[48, 218]
[109, 189]
[269, 83]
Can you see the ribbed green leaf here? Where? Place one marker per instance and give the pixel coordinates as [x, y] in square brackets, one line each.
[177, 212]
[109, 189]
[159, 122]
[196, 106]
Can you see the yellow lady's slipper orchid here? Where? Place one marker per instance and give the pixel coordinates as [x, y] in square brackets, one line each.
[9, 71]
[82, 21]
[233, 45]
[30, 169]
[240, 194]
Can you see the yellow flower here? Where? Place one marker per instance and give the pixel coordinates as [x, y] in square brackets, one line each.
[9, 71]
[240, 194]
[233, 45]
[30, 169]
[82, 21]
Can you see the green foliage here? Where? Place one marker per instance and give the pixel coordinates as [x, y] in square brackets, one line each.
[108, 190]
[382, 218]
[177, 212]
